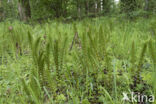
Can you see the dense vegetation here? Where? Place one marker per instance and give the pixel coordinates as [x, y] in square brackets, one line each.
[32, 10]
[77, 51]
[89, 62]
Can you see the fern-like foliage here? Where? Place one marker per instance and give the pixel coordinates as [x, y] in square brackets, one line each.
[152, 48]
[133, 58]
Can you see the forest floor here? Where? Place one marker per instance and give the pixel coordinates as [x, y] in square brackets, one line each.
[93, 61]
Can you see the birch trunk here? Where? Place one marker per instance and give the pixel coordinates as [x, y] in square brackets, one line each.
[96, 7]
[101, 5]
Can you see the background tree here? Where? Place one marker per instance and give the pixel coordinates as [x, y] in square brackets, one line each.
[1, 10]
[150, 5]
[43, 9]
[128, 5]
[24, 9]
[107, 6]
[79, 7]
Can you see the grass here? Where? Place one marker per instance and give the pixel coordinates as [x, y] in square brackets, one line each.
[88, 62]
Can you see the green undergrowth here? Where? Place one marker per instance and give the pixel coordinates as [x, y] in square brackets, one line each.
[89, 62]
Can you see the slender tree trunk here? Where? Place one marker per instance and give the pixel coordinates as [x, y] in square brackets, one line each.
[65, 4]
[28, 9]
[21, 11]
[96, 7]
[78, 9]
[1, 11]
[86, 7]
[79, 12]
[58, 8]
[146, 5]
[24, 9]
[101, 5]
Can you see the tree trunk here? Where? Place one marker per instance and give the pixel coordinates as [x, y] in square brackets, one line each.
[24, 10]
[86, 7]
[78, 9]
[1, 10]
[79, 12]
[146, 5]
[96, 7]
[27, 8]
[58, 8]
[101, 5]
[21, 11]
